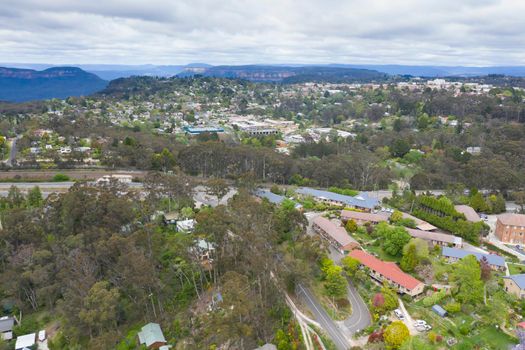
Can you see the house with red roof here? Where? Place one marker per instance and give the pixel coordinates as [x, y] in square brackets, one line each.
[390, 272]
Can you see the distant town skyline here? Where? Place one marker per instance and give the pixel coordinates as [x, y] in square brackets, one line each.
[408, 32]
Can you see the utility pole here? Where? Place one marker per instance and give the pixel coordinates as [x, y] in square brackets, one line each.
[153, 304]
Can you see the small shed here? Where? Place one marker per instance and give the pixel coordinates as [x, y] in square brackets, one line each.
[25, 341]
[439, 310]
[6, 327]
[151, 335]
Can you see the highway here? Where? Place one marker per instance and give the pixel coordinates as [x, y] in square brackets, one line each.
[46, 187]
[328, 325]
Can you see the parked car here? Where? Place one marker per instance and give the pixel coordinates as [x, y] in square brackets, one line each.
[399, 314]
[420, 323]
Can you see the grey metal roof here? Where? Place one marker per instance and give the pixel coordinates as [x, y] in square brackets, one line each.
[492, 259]
[150, 334]
[272, 197]
[6, 324]
[518, 279]
[361, 200]
[439, 310]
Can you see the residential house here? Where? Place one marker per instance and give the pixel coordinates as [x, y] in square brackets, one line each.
[496, 262]
[362, 218]
[6, 327]
[272, 197]
[362, 201]
[151, 336]
[336, 235]
[204, 251]
[390, 272]
[510, 228]
[436, 238]
[171, 218]
[469, 212]
[420, 224]
[185, 225]
[515, 284]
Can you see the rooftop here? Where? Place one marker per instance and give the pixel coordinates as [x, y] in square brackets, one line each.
[420, 224]
[272, 197]
[6, 324]
[150, 334]
[387, 269]
[469, 212]
[518, 279]
[492, 259]
[434, 236]
[338, 233]
[25, 341]
[356, 215]
[361, 200]
[512, 219]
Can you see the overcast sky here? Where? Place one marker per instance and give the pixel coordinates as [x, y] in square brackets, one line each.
[442, 32]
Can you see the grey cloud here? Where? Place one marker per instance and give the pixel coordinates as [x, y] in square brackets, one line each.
[448, 32]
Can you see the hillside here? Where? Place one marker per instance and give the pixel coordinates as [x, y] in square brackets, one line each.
[18, 85]
[288, 74]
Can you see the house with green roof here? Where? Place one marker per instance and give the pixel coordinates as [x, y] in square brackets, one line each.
[151, 335]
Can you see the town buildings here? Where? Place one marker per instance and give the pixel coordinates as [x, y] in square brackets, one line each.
[362, 201]
[436, 238]
[495, 262]
[390, 272]
[515, 284]
[469, 212]
[336, 235]
[510, 228]
[362, 218]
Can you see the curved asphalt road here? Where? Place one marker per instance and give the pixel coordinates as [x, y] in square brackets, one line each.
[360, 318]
[328, 325]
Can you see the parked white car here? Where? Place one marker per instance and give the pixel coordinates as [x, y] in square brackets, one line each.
[399, 314]
[420, 323]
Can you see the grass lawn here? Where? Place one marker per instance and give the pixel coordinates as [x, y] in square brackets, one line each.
[382, 255]
[515, 269]
[488, 337]
[491, 338]
[336, 312]
[361, 237]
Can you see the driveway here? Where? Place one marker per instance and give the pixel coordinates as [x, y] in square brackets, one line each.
[409, 322]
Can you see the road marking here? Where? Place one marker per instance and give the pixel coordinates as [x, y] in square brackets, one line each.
[330, 329]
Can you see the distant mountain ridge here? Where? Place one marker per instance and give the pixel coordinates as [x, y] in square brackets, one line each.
[18, 85]
[114, 71]
[288, 74]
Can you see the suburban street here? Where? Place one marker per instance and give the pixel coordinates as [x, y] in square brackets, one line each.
[328, 325]
[360, 317]
[12, 152]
